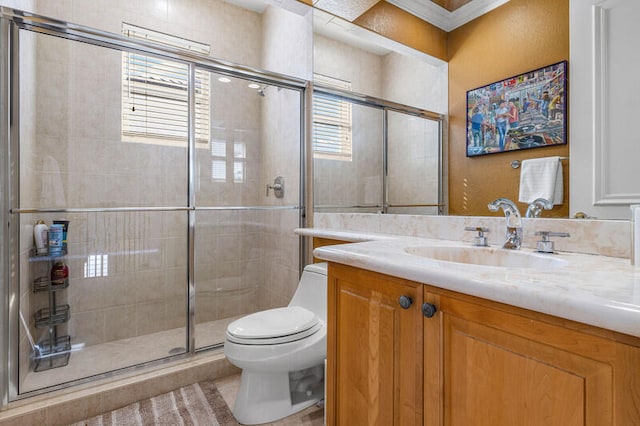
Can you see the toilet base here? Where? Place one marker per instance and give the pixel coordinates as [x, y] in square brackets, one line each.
[266, 397]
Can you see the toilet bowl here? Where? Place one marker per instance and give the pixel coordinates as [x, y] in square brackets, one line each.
[281, 353]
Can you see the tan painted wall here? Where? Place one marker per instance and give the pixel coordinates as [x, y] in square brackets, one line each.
[519, 36]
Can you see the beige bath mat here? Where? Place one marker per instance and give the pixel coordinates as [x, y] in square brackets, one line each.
[199, 404]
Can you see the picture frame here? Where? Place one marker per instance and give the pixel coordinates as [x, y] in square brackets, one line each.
[525, 111]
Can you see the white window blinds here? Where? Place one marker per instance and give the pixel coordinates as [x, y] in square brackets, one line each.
[331, 122]
[155, 103]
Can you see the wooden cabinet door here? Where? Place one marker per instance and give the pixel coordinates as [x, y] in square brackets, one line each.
[374, 352]
[505, 369]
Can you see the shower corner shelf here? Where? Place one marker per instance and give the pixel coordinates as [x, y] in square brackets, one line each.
[35, 257]
[50, 354]
[45, 317]
[52, 351]
[41, 284]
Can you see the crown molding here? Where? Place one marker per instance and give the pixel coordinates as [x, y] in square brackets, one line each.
[440, 17]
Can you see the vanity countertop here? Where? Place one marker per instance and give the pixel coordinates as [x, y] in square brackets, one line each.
[596, 290]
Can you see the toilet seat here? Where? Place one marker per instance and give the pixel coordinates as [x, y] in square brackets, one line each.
[274, 326]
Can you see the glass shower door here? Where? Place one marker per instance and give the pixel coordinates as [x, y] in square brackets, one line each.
[116, 296]
[247, 256]
[351, 179]
[414, 167]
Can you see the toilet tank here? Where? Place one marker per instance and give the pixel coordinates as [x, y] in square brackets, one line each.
[311, 293]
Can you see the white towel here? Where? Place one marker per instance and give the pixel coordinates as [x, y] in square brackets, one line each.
[541, 178]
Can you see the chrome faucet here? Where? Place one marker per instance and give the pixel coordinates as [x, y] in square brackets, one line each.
[514, 222]
[535, 208]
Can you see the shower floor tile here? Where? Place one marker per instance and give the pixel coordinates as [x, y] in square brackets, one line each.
[88, 361]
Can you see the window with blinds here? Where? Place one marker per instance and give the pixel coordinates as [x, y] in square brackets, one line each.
[331, 122]
[155, 104]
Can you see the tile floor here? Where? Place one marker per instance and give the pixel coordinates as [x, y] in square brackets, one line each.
[98, 359]
[312, 416]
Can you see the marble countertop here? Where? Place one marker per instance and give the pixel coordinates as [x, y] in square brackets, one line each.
[596, 290]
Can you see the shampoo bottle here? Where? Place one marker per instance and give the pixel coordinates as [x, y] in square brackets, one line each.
[55, 240]
[59, 273]
[41, 237]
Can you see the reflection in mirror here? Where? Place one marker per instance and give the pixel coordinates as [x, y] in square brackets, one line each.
[413, 165]
[347, 156]
[377, 66]
[376, 122]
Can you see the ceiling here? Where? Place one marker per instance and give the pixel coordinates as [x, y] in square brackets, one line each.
[444, 14]
[334, 19]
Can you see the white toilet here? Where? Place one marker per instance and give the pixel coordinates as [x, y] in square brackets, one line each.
[281, 353]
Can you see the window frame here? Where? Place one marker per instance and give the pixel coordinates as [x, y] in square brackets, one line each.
[332, 132]
[155, 91]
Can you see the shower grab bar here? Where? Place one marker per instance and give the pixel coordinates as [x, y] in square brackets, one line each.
[94, 209]
[367, 206]
[357, 206]
[251, 208]
[145, 209]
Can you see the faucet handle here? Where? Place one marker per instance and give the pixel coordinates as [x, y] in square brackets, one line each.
[480, 240]
[546, 245]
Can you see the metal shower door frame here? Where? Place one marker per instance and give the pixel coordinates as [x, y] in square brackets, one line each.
[11, 22]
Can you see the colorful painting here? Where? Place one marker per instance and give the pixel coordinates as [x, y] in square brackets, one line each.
[521, 112]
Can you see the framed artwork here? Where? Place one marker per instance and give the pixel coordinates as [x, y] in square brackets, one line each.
[520, 112]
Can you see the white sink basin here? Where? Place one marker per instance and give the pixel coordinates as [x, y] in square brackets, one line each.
[488, 256]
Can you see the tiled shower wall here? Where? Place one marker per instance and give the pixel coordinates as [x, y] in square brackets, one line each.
[361, 179]
[413, 154]
[245, 261]
[413, 163]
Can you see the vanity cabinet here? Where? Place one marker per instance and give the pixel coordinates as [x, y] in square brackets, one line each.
[503, 368]
[374, 347]
[483, 363]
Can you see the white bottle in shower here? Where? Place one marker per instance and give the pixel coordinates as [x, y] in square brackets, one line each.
[41, 237]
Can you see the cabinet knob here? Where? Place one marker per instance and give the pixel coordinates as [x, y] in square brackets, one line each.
[428, 309]
[405, 301]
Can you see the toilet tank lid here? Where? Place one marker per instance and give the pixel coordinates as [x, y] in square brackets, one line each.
[318, 268]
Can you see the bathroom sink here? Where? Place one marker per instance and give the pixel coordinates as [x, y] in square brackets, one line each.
[487, 256]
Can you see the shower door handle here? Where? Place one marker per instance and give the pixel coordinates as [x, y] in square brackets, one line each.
[278, 187]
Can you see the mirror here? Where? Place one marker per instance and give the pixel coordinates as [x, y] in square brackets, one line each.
[476, 54]
[369, 101]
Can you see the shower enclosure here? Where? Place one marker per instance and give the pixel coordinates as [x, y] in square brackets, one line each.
[157, 159]
[393, 162]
